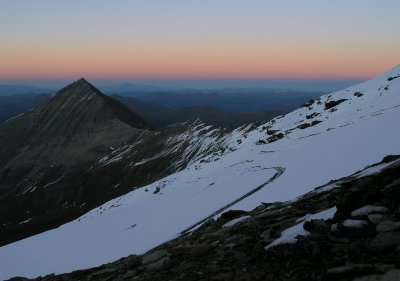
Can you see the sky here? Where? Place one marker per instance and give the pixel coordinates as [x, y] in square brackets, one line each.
[193, 39]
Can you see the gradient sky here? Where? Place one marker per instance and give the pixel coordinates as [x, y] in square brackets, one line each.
[267, 39]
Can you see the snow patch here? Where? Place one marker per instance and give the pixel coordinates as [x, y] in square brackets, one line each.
[369, 209]
[16, 116]
[303, 218]
[373, 170]
[25, 221]
[235, 221]
[289, 235]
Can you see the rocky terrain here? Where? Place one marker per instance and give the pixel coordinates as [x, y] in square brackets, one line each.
[361, 241]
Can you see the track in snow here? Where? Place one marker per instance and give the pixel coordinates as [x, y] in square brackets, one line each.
[279, 172]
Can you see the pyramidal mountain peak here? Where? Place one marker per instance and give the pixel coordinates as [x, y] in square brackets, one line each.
[79, 109]
[84, 96]
[82, 80]
[82, 87]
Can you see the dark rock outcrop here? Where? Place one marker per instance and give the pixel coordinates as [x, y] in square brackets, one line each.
[333, 103]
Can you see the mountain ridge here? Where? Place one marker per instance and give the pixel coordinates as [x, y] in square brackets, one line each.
[326, 139]
[209, 168]
[120, 110]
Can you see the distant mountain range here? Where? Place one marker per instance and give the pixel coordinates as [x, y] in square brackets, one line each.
[11, 90]
[160, 116]
[11, 106]
[223, 107]
[228, 100]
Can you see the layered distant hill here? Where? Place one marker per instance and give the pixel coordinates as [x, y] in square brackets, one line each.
[228, 100]
[11, 90]
[11, 106]
[161, 116]
[229, 107]
[162, 107]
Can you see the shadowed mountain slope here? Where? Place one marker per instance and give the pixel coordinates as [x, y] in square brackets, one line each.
[77, 126]
[59, 139]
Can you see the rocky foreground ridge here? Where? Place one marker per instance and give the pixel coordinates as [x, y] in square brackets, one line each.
[360, 242]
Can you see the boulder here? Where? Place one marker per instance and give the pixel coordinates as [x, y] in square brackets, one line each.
[232, 214]
[387, 226]
[376, 218]
[155, 256]
[384, 241]
[158, 265]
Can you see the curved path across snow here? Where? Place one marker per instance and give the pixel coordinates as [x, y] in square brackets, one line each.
[278, 172]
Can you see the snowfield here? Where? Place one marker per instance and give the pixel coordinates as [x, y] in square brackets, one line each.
[330, 138]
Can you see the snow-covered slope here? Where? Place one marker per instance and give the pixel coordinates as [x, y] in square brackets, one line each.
[329, 138]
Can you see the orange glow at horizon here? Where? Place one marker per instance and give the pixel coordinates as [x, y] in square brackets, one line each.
[192, 62]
